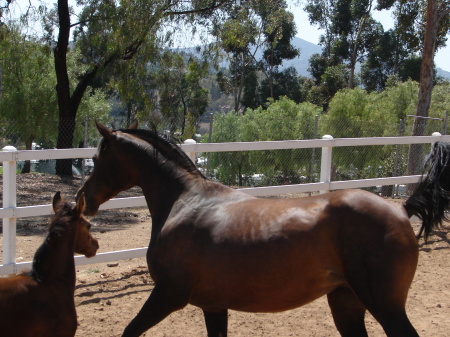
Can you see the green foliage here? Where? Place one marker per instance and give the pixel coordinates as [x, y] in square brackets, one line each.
[411, 21]
[263, 28]
[230, 167]
[183, 100]
[356, 113]
[29, 98]
[283, 119]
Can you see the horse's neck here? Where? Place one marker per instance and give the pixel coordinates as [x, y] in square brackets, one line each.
[162, 194]
[169, 200]
[160, 202]
[54, 262]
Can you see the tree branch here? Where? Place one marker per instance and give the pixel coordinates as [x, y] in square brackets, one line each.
[87, 79]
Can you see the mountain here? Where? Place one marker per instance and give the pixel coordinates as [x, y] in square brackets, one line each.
[301, 63]
[307, 49]
[443, 73]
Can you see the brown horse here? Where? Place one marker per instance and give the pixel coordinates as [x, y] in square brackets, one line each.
[40, 303]
[219, 249]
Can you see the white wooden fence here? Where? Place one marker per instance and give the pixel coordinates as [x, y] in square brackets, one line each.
[10, 156]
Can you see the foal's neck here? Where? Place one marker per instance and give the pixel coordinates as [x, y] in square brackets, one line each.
[53, 261]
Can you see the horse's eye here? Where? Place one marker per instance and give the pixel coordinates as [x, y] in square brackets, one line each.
[103, 146]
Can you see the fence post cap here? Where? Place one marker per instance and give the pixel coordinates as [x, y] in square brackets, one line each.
[436, 134]
[9, 148]
[190, 141]
[327, 137]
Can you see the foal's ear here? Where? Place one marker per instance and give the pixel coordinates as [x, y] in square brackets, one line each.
[57, 201]
[133, 126]
[104, 131]
[81, 204]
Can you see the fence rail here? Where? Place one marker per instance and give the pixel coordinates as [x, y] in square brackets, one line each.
[10, 156]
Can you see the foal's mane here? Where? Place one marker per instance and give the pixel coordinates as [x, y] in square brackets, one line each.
[59, 224]
[167, 147]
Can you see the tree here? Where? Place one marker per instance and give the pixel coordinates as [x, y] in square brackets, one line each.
[389, 57]
[229, 167]
[333, 79]
[278, 29]
[256, 38]
[128, 26]
[283, 119]
[183, 100]
[437, 21]
[350, 31]
[284, 83]
[236, 36]
[29, 101]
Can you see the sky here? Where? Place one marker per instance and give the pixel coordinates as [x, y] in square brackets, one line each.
[311, 33]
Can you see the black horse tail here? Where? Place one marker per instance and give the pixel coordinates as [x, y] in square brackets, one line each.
[431, 198]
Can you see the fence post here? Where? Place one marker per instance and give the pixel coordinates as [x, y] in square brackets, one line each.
[325, 164]
[9, 201]
[191, 155]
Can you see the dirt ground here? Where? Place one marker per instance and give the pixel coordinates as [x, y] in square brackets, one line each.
[109, 295]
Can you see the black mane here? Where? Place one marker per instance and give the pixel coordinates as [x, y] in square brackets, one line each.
[167, 147]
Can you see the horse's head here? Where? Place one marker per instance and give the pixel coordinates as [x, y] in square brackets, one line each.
[111, 173]
[85, 243]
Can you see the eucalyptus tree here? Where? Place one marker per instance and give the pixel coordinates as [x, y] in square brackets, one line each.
[236, 36]
[388, 58]
[256, 38]
[182, 99]
[350, 32]
[436, 14]
[278, 31]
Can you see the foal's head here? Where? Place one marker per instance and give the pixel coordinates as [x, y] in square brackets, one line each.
[85, 243]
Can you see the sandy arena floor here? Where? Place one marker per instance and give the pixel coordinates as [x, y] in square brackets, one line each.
[109, 295]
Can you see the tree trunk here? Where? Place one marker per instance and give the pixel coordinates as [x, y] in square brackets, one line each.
[67, 104]
[353, 60]
[66, 124]
[28, 146]
[415, 159]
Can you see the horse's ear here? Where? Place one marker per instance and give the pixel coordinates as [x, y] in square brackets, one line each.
[56, 201]
[133, 126]
[81, 203]
[104, 131]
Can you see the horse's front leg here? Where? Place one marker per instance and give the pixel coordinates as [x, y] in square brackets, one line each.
[158, 306]
[216, 323]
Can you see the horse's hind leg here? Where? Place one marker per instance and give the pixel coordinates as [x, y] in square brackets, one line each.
[382, 285]
[216, 323]
[397, 324]
[348, 313]
[158, 306]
